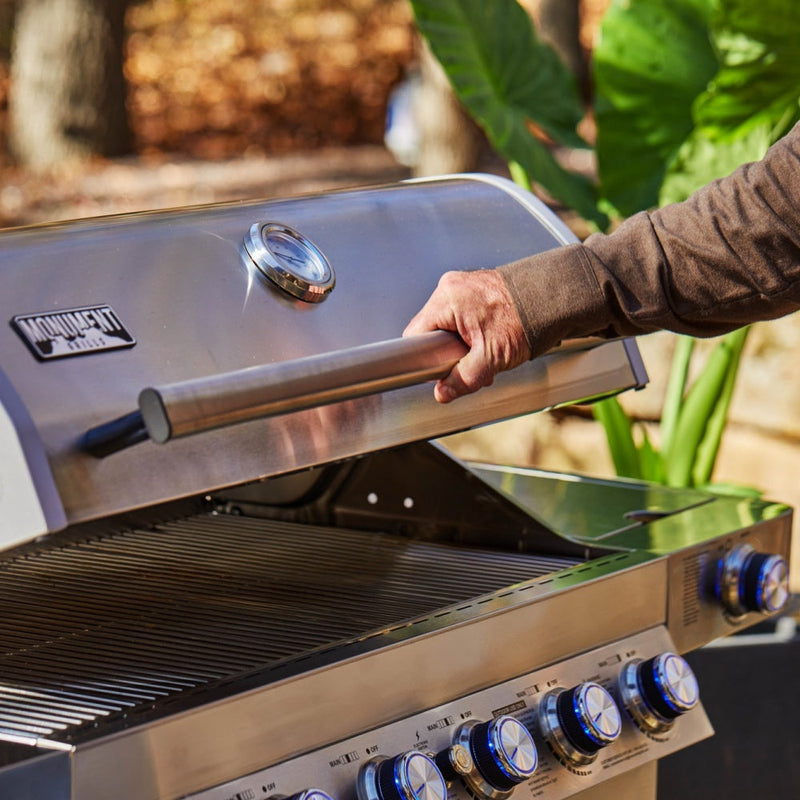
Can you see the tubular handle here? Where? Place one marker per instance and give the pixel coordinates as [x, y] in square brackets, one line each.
[203, 404]
[180, 409]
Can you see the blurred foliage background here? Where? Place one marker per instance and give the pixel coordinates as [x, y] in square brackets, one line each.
[214, 79]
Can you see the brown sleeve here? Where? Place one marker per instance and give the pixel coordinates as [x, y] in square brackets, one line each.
[728, 256]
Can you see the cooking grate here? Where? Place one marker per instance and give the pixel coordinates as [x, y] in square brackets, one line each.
[94, 629]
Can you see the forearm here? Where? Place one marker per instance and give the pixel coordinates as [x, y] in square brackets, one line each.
[727, 256]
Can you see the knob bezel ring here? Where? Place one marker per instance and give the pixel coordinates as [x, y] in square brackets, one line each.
[733, 586]
[764, 597]
[306, 794]
[368, 782]
[646, 719]
[671, 685]
[731, 569]
[473, 779]
[498, 747]
[403, 781]
[553, 733]
[595, 731]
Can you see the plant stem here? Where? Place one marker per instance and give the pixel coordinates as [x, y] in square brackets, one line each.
[695, 414]
[709, 446]
[619, 435]
[676, 388]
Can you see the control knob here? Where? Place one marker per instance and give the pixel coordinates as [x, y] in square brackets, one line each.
[658, 690]
[500, 755]
[409, 776]
[753, 581]
[306, 794]
[579, 722]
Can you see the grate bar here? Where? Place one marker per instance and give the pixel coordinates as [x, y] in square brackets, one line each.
[122, 622]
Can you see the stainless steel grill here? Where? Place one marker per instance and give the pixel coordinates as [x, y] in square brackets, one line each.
[106, 625]
[233, 566]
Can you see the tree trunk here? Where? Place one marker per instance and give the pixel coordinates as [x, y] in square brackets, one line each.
[67, 84]
[559, 26]
[449, 140]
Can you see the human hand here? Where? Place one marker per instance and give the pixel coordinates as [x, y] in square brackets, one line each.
[479, 308]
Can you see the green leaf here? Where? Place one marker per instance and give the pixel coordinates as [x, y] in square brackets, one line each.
[709, 445]
[507, 78]
[619, 435]
[753, 100]
[676, 389]
[652, 60]
[703, 159]
[695, 414]
[759, 75]
[652, 464]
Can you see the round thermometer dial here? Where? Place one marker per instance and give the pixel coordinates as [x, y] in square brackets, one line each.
[290, 260]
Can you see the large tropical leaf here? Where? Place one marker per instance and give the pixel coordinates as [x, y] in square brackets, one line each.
[752, 101]
[652, 60]
[508, 78]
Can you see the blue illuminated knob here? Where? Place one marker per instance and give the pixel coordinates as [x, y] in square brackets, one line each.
[579, 722]
[410, 776]
[657, 691]
[590, 716]
[753, 581]
[503, 755]
[311, 794]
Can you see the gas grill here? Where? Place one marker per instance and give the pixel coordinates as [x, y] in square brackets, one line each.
[237, 564]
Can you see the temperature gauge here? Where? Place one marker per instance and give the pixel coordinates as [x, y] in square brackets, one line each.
[290, 261]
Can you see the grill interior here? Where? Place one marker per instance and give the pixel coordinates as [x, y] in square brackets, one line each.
[95, 630]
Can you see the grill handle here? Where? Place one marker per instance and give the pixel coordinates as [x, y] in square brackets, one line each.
[203, 404]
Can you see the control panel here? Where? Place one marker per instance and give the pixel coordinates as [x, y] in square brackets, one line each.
[549, 734]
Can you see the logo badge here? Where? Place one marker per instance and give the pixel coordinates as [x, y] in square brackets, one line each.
[72, 332]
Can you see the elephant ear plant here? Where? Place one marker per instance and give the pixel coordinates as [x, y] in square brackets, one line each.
[684, 92]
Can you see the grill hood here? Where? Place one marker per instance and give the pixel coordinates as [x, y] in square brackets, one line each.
[149, 318]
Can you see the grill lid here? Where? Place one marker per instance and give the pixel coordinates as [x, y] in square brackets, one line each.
[166, 325]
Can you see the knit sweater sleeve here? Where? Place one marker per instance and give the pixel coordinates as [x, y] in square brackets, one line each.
[728, 256]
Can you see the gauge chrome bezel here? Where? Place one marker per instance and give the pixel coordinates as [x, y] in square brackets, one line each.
[282, 274]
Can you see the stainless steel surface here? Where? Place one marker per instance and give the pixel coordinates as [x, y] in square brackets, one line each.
[171, 747]
[258, 392]
[637, 784]
[131, 621]
[434, 729]
[513, 634]
[180, 286]
[261, 608]
[694, 530]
